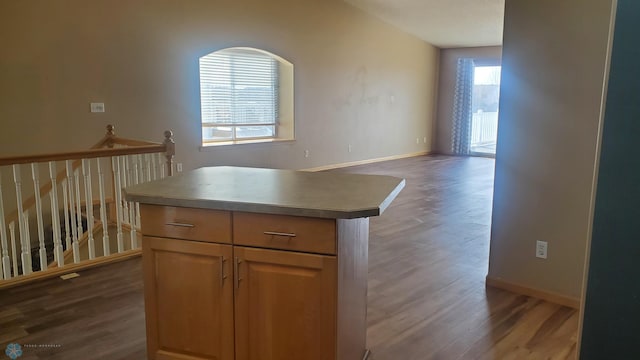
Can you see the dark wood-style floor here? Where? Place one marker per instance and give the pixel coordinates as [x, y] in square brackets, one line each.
[427, 298]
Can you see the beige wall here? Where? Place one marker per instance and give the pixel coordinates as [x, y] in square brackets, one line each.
[447, 83]
[553, 67]
[358, 80]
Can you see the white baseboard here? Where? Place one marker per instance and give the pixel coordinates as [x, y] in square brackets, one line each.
[367, 161]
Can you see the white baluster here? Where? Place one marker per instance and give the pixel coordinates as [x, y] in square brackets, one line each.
[6, 262]
[130, 164]
[25, 246]
[67, 230]
[136, 181]
[103, 211]
[125, 206]
[35, 175]
[132, 205]
[161, 166]
[14, 251]
[135, 169]
[27, 240]
[88, 195]
[143, 169]
[141, 173]
[148, 160]
[153, 167]
[76, 174]
[140, 180]
[58, 252]
[72, 213]
[115, 163]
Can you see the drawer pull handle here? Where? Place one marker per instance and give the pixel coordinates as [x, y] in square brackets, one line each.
[237, 272]
[180, 224]
[222, 275]
[274, 233]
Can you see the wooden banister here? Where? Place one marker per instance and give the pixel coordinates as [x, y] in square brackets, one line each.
[86, 154]
[131, 142]
[131, 162]
[103, 148]
[107, 139]
[110, 139]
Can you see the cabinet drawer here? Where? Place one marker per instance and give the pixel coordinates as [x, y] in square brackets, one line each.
[285, 232]
[186, 223]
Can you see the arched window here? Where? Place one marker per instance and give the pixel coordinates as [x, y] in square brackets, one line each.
[246, 95]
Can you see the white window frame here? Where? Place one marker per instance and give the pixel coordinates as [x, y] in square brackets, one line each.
[208, 71]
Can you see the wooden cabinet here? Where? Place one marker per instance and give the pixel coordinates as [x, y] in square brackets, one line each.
[285, 305]
[185, 223]
[259, 287]
[188, 299]
[293, 233]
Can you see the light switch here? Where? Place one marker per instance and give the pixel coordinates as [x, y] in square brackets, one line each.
[97, 107]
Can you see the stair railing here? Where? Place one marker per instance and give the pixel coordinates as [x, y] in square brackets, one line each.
[77, 238]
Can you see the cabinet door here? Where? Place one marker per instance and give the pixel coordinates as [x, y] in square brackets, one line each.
[188, 299]
[285, 305]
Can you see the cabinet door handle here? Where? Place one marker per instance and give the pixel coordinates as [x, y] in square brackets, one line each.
[237, 277]
[222, 276]
[180, 224]
[275, 233]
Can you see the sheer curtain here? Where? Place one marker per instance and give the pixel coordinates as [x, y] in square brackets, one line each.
[461, 134]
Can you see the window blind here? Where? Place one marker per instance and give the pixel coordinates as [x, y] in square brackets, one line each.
[238, 92]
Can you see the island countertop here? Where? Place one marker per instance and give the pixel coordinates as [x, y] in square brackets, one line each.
[283, 192]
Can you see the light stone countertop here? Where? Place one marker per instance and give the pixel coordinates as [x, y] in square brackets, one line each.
[271, 191]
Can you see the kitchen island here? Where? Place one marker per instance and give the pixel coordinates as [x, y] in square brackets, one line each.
[260, 264]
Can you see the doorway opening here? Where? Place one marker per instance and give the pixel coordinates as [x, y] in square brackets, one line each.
[484, 106]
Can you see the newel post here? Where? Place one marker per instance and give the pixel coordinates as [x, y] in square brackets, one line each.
[170, 150]
[110, 135]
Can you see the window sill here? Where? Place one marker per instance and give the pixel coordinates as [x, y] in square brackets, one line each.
[210, 146]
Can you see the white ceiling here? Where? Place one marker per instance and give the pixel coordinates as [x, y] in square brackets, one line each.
[443, 23]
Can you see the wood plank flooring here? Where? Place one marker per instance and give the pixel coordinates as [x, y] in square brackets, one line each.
[427, 299]
[428, 258]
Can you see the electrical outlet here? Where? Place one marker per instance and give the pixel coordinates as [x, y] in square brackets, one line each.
[179, 167]
[349, 147]
[417, 140]
[306, 153]
[97, 107]
[541, 249]
[425, 140]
